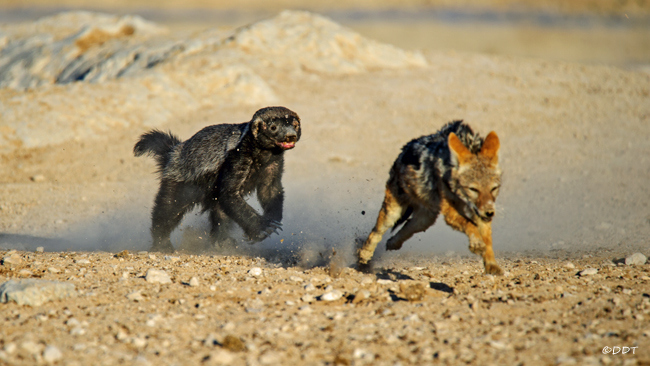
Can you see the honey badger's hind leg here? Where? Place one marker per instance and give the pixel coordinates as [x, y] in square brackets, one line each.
[221, 225]
[173, 201]
[420, 220]
[391, 211]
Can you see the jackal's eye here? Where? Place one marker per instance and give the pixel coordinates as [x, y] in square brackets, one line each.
[495, 190]
[472, 191]
[274, 128]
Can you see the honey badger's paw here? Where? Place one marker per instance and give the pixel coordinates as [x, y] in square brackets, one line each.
[270, 227]
[493, 269]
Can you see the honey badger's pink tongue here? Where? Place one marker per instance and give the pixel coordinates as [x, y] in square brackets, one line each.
[287, 145]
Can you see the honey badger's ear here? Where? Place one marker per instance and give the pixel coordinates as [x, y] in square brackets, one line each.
[459, 153]
[490, 149]
[257, 124]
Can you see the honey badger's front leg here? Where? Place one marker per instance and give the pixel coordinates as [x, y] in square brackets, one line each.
[231, 185]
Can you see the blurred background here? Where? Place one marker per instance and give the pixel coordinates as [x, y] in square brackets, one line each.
[613, 32]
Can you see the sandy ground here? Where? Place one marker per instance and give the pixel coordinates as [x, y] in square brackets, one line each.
[576, 158]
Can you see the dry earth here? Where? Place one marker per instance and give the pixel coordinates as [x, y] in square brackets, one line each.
[576, 158]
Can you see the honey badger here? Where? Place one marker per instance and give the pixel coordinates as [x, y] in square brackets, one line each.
[217, 168]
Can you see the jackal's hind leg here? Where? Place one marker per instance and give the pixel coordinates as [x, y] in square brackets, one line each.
[420, 221]
[390, 212]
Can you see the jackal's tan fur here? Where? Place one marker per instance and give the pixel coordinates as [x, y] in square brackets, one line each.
[454, 172]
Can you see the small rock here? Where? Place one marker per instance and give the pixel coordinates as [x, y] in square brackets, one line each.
[233, 343]
[270, 358]
[412, 318]
[636, 259]
[157, 276]
[171, 258]
[194, 282]
[35, 292]
[139, 342]
[307, 298]
[412, 291]
[569, 265]
[30, 347]
[82, 261]
[255, 271]
[40, 249]
[361, 295]
[384, 282]
[310, 287]
[221, 357]
[135, 296]
[122, 254]
[53, 270]
[588, 272]
[295, 279]
[12, 259]
[331, 295]
[305, 310]
[37, 178]
[10, 347]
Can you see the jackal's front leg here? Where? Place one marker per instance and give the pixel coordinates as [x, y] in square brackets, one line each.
[484, 230]
[480, 237]
[390, 212]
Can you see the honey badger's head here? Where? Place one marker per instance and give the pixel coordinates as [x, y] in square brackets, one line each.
[276, 128]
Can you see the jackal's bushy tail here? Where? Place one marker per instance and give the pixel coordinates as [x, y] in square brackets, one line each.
[158, 144]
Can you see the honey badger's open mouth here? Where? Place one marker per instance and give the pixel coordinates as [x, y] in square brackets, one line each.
[287, 145]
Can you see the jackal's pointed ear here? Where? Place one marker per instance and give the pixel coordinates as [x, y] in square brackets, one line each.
[459, 153]
[490, 149]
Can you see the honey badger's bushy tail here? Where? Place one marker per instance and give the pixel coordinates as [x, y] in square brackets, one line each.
[158, 144]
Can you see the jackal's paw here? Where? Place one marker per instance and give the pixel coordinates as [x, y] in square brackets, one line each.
[493, 269]
[477, 247]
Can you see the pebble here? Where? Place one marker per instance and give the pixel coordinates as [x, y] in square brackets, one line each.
[588, 272]
[172, 258]
[194, 282]
[51, 354]
[569, 265]
[31, 347]
[233, 343]
[310, 287]
[135, 296]
[40, 249]
[35, 292]
[307, 298]
[305, 310]
[221, 357]
[255, 271]
[295, 279]
[82, 261]
[331, 295]
[270, 358]
[636, 259]
[157, 276]
[12, 259]
[37, 178]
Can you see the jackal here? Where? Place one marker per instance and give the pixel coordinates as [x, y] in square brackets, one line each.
[453, 171]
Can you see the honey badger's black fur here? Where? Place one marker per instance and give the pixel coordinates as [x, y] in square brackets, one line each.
[217, 168]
